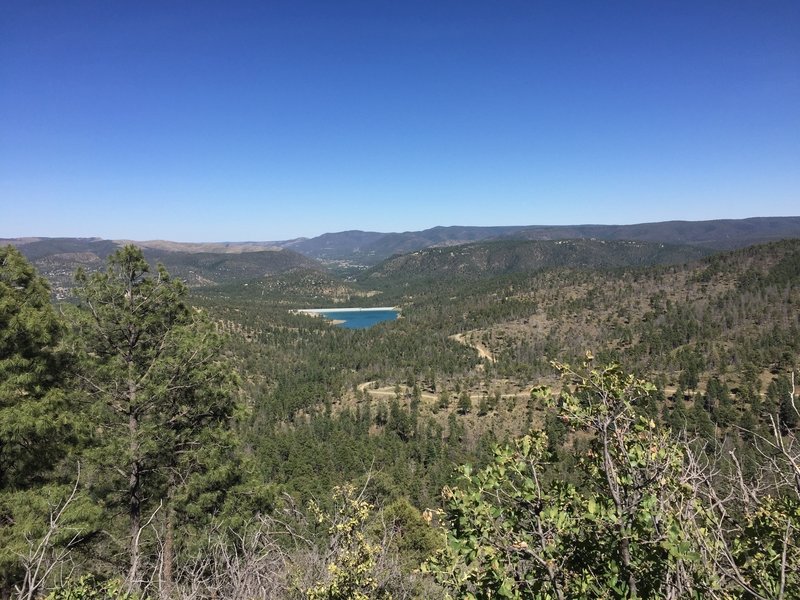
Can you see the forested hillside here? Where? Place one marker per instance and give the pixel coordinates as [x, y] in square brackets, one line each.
[197, 264]
[164, 442]
[352, 251]
[730, 322]
[493, 259]
[370, 247]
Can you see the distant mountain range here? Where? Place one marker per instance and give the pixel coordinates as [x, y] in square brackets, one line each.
[369, 248]
[197, 264]
[223, 262]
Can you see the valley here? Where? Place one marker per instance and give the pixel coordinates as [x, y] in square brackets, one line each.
[399, 300]
[393, 408]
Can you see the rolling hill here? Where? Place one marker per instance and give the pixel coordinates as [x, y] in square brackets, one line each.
[492, 259]
[370, 248]
[59, 258]
[348, 251]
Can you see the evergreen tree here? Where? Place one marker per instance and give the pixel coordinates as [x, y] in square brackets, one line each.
[36, 429]
[788, 406]
[483, 406]
[32, 417]
[160, 393]
[464, 403]
[778, 392]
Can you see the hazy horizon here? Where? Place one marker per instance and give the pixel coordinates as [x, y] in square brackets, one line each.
[387, 232]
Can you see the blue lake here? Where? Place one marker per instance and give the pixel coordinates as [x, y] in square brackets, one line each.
[358, 319]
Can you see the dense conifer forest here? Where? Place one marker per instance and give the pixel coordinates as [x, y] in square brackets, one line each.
[578, 419]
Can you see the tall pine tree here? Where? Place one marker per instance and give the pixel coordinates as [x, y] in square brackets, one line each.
[162, 397]
[36, 428]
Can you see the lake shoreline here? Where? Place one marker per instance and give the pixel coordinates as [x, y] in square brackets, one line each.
[317, 311]
[353, 318]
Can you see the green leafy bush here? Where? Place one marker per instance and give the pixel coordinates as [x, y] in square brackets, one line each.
[89, 588]
[647, 520]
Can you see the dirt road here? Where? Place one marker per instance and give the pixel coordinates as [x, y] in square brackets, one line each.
[482, 350]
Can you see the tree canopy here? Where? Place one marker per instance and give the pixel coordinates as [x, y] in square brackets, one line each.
[157, 382]
[36, 425]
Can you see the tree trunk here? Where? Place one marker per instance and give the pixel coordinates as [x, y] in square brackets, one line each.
[134, 504]
[167, 584]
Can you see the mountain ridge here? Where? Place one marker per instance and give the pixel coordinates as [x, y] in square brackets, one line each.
[375, 246]
[58, 259]
[355, 250]
[506, 256]
[368, 248]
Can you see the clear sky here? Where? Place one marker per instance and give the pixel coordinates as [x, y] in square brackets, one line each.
[210, 121]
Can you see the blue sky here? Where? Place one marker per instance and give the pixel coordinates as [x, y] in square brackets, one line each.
[206, 121]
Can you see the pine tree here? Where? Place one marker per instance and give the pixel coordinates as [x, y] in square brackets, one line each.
[36, 427]
[160, 391]
[30, 373]
[464, 403]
